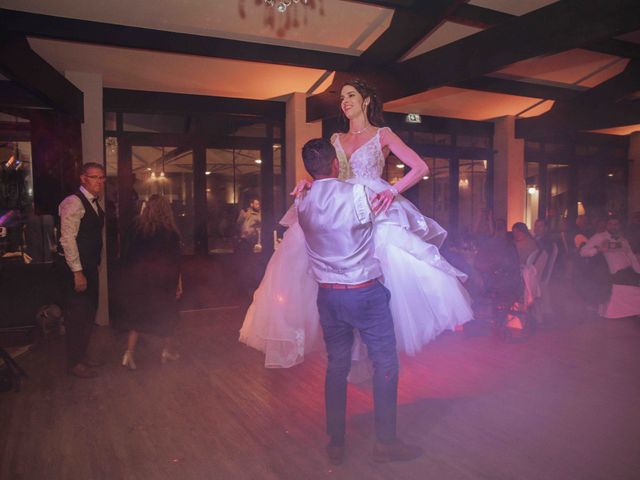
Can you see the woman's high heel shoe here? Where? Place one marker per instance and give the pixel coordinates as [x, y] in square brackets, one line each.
[168, 356]
[128, 361]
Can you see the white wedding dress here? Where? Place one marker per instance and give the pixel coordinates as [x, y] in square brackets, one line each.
[427, 296]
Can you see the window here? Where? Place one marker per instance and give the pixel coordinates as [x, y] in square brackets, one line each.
[233, 183]
[472, 192]
[167, 171]
[533, 185]
[434, 198]
[23, 230]
[557, 192]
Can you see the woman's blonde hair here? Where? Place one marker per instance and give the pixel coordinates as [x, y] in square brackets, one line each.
[156, 215]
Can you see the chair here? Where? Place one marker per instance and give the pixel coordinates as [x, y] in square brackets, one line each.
[542, 306]
[532, 274]
[522, 312]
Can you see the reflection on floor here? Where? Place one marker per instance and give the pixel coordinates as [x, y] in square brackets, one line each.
[562, 405]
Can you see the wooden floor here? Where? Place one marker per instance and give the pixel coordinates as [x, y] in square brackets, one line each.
[565, 404]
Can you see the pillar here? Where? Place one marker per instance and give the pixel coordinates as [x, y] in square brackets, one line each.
[93, 151]
[298, 132]
[509, 186]
[634, 173]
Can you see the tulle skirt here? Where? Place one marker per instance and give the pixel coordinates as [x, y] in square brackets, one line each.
[427, 296]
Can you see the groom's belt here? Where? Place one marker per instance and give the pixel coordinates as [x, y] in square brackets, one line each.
[346, 286]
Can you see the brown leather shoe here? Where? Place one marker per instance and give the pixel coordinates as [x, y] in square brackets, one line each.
[336, 454]
[82, 371]
[398, 451]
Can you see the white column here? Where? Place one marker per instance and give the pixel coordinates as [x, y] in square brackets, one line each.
[509, 186]
[93, 151]
[634, 172]
[298, 132]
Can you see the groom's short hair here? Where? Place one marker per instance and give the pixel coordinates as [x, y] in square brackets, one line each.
[318, 155]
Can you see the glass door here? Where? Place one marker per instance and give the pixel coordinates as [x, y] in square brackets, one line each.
[167, 171]
[472, 196]
[435, 192]
[234, 207]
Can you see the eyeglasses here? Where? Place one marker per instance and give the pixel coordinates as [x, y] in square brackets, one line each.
[96, 177]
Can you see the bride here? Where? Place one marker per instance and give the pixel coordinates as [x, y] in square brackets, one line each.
[427, 296]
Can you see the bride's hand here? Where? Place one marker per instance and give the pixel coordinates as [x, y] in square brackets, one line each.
[382, 201]
[301, 186]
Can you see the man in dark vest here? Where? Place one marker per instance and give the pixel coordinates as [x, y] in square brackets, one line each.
[79, 247]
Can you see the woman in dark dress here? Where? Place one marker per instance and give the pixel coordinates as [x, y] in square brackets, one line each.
[152, 266]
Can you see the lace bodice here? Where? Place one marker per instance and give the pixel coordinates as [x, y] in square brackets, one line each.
[367, 161]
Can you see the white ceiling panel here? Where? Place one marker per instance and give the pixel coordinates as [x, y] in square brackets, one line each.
[334, 25]
[446, 33]
[466, 104]
[573, 67]
[514, 7]
[167, 72]
[626, 130]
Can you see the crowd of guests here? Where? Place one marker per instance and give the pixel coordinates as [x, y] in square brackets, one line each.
[596, 257]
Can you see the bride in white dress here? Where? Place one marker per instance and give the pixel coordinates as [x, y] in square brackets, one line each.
[427, 296]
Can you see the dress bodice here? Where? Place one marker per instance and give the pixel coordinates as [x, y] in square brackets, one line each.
[367, 161]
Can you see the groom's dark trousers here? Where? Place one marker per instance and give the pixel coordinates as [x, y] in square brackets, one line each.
[367, 309]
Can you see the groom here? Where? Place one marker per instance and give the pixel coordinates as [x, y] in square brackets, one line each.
[336, 218]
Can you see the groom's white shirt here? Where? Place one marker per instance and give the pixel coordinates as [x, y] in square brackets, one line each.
[337, 221]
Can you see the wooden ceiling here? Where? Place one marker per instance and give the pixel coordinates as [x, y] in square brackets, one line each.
[560, 63]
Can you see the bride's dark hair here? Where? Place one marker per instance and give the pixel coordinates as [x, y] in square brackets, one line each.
[374, 108]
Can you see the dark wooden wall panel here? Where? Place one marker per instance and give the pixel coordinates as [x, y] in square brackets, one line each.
[56, 144]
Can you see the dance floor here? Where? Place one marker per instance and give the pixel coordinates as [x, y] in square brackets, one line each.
[561, 405]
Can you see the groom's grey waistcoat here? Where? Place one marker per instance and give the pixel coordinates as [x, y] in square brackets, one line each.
[336, 219]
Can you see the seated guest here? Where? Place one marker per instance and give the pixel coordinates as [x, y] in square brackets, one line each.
[542, 236]
[581, 232]
[498, 266]
[623, 267]
[523, 240]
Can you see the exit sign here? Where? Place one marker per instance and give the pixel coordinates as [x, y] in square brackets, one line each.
[413, 118]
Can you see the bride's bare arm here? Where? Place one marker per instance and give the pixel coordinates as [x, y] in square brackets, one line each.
[407, 156]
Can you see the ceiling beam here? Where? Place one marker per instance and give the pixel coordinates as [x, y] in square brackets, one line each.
[615, 115]
[603, 106]
[26, 68]
[479, 17]
[59, 28]
[619, 48]
[407, 28]
[557, 27]
[520, 88]
[12, 95]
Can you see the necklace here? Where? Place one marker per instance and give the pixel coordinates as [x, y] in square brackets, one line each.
[358, 132]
